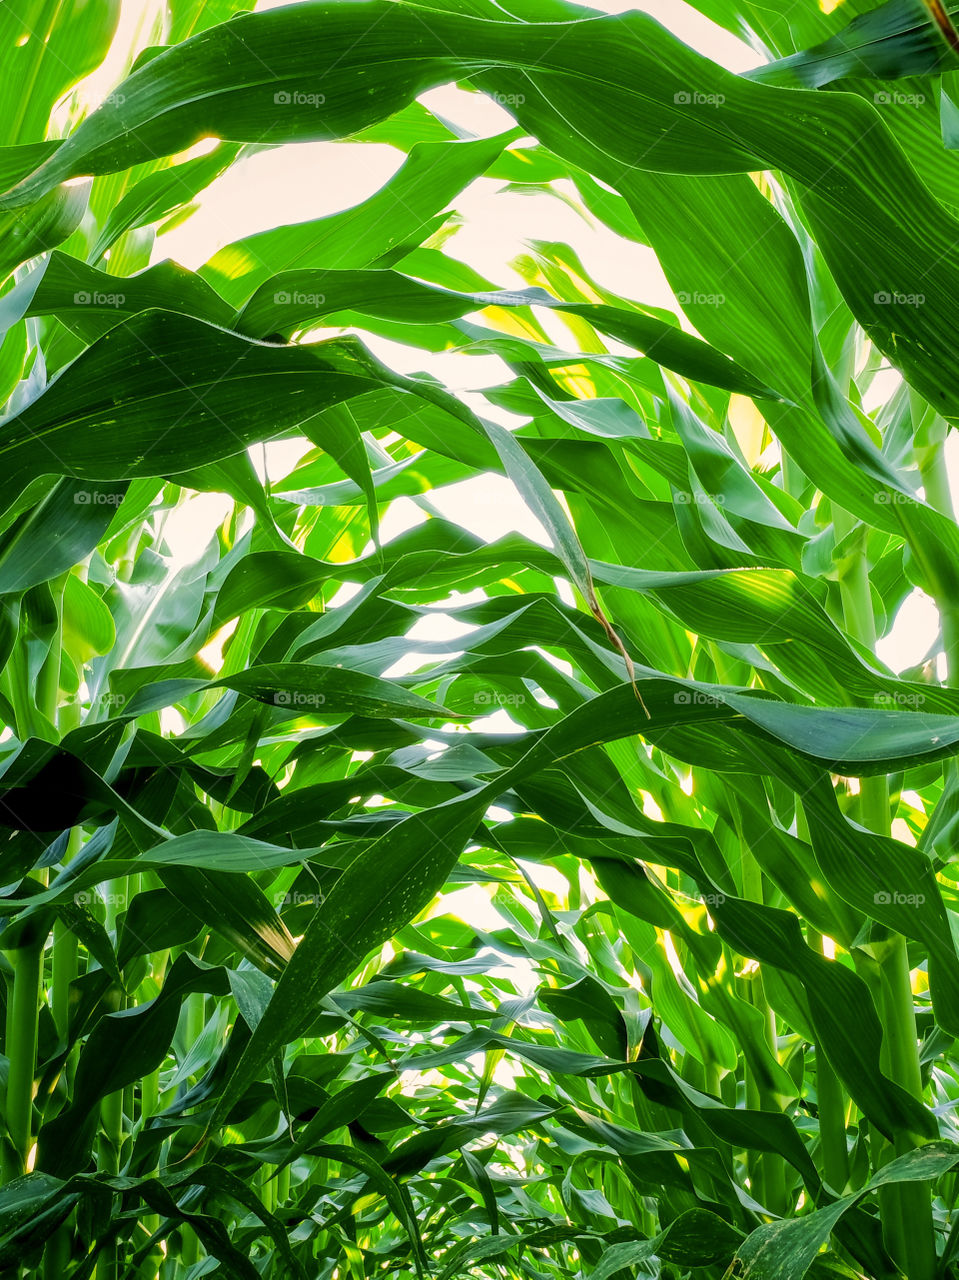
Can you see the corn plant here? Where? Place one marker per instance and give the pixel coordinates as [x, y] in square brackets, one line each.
[427, 904]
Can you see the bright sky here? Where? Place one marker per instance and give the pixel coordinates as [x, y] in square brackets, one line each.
[296, 183]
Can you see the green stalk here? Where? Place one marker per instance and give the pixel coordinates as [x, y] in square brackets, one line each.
[64, 968]
[829, 1090]
[935, 482]
[111, 1108]
[793, 480]
[283, 1186]
[133, 887]
[268, 1189]
[150, 1084]
[65, 958]
[23, 1009]
[23, 1013]
[192, 1030]
[935, 477]
[768, 1168]
[110, 1141]
[190, 1246]
[832, 1110]
[711, 1078]
[195, 1017]
[905, 1208]
[149, 1095]
[754, 1161]
[56, 1253]
[65, 955]
[150, 1087]
[111, 1119]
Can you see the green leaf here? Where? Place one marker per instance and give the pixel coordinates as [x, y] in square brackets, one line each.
[377, 893]
[62, 529]
[162, 393]
[397, 217]
[893, 40]
[789, 1248]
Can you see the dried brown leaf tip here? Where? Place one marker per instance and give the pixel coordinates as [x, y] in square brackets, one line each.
[620, 648]
[944, 23]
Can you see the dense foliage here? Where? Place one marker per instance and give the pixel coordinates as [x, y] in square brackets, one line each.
[609, 929]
